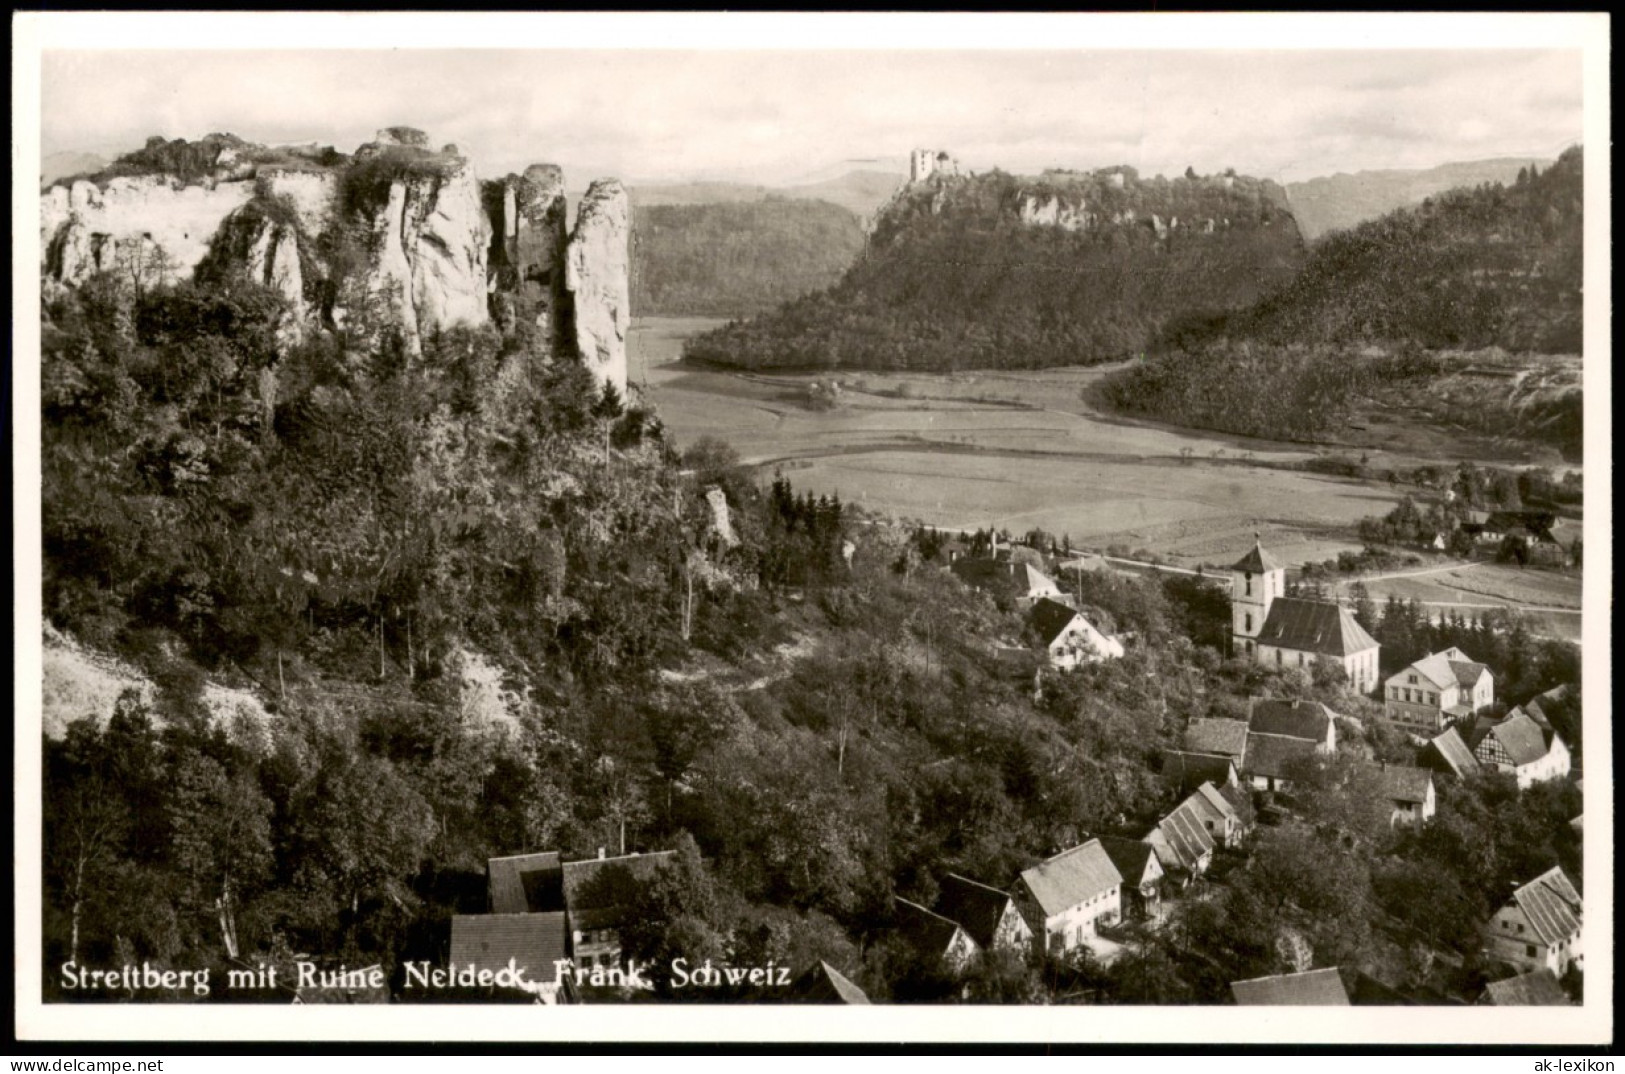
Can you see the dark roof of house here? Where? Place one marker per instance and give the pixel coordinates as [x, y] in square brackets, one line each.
[1050, 617]
[1537, 988]
[1071, 877]
[1453, 753]
[823, 983]
[1468, 672]
[1292, 719]
[1533, 710]
[929, 932]
[1018, 579]
[976, 908]
[1551, 904]
[1315, 988]
[1271, 755]
[1519, 735]
[534, 942]
[526, 883]
[1402, 783]
[1256, 561]
[1190, 770]
[1313, 626]
[1227, 737]
[595, 889]
[1132, 858]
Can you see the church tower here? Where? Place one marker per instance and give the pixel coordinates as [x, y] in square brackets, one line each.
[1255, 581]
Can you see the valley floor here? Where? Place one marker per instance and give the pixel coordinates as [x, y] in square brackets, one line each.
[1025, 450]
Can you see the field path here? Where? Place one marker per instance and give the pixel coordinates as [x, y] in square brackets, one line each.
[1417, 573]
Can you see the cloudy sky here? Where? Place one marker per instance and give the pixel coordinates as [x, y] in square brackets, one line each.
[792, 113]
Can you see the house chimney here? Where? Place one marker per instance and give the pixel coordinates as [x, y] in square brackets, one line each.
[600, 853]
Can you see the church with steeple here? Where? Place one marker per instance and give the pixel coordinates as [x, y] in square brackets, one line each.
[1271, 628]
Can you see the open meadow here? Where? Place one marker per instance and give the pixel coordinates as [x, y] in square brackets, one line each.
[1012, 450]
[1024, 450]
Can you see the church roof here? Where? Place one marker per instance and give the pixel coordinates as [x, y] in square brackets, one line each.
[1257, 561]
[1314, 626]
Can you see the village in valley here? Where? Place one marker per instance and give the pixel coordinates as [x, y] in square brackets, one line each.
[1085, 589]
[1227, 777]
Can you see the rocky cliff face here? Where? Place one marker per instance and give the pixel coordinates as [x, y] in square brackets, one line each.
[399, 235]
[528, 227]
[429, 246]
[152, 228]
[597, 266]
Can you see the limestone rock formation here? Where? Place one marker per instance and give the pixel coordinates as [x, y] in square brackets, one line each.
[1053, 211]
[597, 266]
[430, 239]
[395, 236]
[253, 242]
[528, 224]
[150, 227]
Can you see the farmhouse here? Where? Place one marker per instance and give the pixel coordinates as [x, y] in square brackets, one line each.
[1069, 638]
[1068, 897]
[989, 916]
[1539, 927]
[597, 893]
[1314, 988]
[1224, 812]
[1182, 843]
[1437, 690]
[1273, 761]
[1142, 876]
[1521, 746]
[934, 936]
[532, 944]
[1004, 576]
[1411, 792]
[1307, 720]
[1272, 628]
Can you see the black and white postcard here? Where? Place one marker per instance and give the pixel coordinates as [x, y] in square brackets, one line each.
[813, 527]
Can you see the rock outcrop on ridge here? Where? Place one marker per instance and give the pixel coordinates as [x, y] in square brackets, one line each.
[597, 269]
[396, 237]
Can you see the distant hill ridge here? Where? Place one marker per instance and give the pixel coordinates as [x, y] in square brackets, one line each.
[859, 192]
[1379, 307]
[1340, 201]
[1002, 271]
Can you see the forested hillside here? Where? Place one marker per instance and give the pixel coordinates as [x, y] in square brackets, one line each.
[1492, 266]
[739, 258]
[998, 271]
[482, 609]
